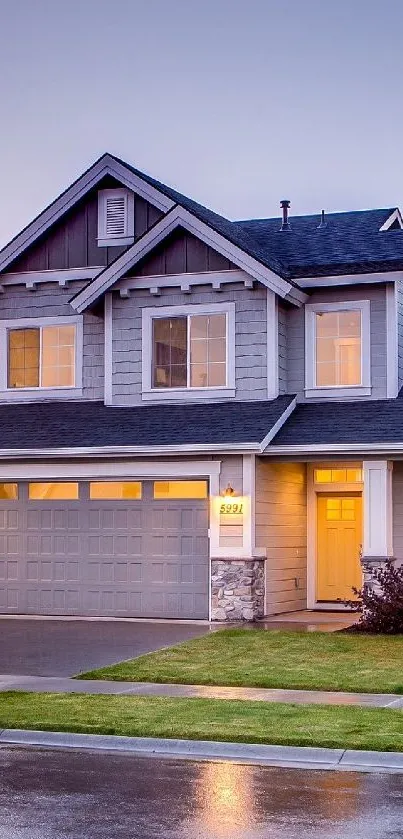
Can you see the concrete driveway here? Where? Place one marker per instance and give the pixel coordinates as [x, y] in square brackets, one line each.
[66, 647]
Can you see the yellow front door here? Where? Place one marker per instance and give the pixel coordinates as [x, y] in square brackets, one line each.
[338, 546]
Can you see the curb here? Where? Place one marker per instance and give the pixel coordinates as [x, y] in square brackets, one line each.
[296, 757]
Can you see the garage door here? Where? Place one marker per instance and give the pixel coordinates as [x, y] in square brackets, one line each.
[105, 548]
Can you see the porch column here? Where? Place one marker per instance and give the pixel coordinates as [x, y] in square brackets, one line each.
[378, 535]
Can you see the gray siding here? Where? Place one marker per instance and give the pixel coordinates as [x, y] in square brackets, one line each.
[296, 336]
[250, 341]
[182, 253]
[281, 528]
[72, 241]
[49, 300]
[399, 303]
[282, 347]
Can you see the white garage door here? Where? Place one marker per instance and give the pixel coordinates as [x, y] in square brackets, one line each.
[128, 548]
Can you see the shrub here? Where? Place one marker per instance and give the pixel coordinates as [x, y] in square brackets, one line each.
[381, 606]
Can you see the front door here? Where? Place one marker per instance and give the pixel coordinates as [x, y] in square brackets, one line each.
[339, 538]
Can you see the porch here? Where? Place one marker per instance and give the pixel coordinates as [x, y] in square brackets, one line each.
[324, 526]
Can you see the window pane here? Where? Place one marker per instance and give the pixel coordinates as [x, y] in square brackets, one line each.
[354, 475]
[217, 326]
[217, 375]
[57, 491]
[180, 489]
[115, 489]
[326, 375]
[58, 356]
[326, 324]
[198, 375]
[198, 352]
[350, 324]
[169, 351]
[23, 358]
[217, 349]
[199, 327]
[9, 491]
[323, 476]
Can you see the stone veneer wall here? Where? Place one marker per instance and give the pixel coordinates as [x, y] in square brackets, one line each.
[237, 589]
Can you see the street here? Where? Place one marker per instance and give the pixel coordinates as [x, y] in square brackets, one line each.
[52, 794]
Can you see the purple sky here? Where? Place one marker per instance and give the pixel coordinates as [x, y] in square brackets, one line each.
[237, 103]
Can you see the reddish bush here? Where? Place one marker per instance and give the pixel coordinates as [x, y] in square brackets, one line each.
[381, 606]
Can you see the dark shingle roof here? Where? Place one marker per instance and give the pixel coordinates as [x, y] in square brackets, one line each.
[53, 425]
[372, 421]
[351, 242]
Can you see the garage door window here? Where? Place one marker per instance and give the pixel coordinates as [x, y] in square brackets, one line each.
[115, 490]
[180, 489]
[9, 492]
[53, 491]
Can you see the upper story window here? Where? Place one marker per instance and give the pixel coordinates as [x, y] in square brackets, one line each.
[188, 349]
[337, 349]
[40, 354]
[115, 217]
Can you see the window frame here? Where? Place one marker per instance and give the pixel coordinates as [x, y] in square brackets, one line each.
[62, 391]
[105, 239]
[337, 391]
[150, 314]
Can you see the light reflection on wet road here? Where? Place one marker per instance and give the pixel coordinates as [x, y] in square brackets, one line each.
[88, 795]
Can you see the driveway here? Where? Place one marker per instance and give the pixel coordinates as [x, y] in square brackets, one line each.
[64, 648]
[81, 795]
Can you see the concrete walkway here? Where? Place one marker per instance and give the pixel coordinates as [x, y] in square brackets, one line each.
[35, 684]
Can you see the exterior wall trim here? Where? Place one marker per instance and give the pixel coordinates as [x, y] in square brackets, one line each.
[108, 336]
[184, 281]
[325, 449]
[62, 276]
[106, 165]
[272, 345]
[392, 384]
[277, 425]
[350, 279]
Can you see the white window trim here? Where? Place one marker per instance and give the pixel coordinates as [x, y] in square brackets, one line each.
[343, 391]
[20, 394]
[105, 240]
[185, 393]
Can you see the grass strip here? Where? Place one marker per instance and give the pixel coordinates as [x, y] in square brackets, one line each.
[256, 658]
[206, 719]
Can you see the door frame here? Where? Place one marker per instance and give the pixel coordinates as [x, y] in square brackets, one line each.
[313, 490]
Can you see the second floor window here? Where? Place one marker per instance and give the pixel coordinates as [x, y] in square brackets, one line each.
[189, 351]
[41, 357]
[338, 348]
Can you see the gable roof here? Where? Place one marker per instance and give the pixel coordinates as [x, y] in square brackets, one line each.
[349, 243]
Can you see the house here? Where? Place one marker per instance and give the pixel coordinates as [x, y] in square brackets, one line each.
[199, 418]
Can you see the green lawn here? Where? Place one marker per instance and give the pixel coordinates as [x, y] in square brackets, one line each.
[248, 657]
[206, 719]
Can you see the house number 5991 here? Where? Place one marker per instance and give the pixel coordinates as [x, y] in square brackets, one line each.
[233, 509]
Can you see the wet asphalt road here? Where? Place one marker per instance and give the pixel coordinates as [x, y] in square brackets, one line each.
[81, 795]
[65, 648]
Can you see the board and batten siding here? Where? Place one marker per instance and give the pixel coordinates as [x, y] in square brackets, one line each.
[51, 300]
[181, 253]
[250, 337]
[72, 241]
[296, 336]
[281, 528]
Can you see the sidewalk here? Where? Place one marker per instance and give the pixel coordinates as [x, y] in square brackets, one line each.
[41, 684]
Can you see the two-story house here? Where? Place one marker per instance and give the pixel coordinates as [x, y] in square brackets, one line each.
[199, 418]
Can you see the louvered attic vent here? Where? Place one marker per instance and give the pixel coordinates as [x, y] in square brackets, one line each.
[115, 217]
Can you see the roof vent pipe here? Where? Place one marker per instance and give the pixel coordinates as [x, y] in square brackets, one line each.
[285, 205]
[323, 222]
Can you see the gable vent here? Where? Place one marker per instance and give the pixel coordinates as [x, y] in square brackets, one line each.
[115, 216]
